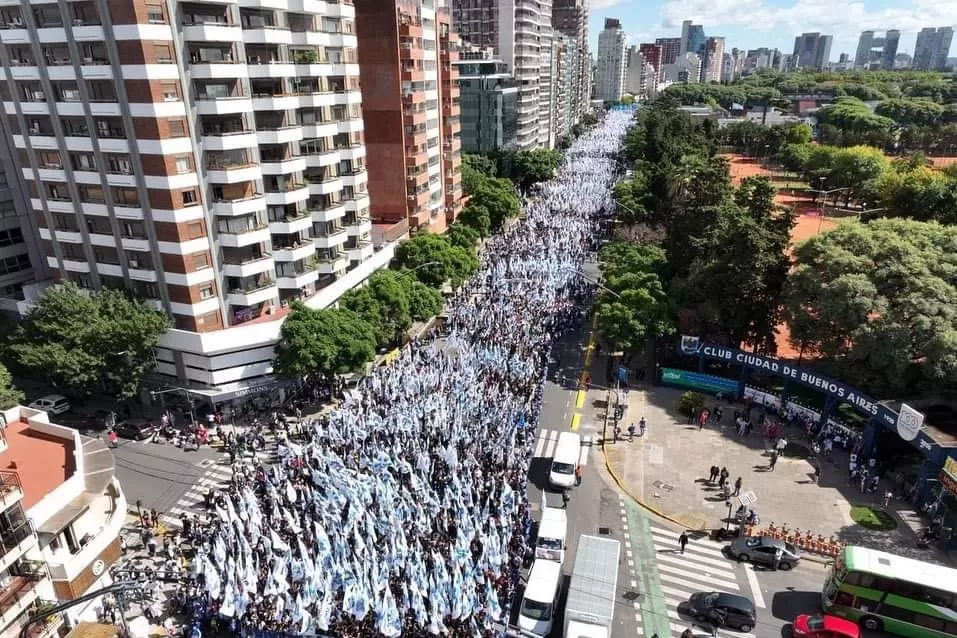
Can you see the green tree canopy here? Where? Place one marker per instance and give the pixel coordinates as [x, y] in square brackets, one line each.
[497, 197]
[477, 217]
[475, 170]
[74, 340]
[463, 236]
[434, 260]
[424, 302]
[877, 302]
[383, 302]
[327, 342]
[9, 395]
[533, 166]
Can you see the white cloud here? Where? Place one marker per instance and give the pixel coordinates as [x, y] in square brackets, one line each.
[844, 23]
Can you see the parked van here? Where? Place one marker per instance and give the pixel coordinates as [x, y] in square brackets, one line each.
[565, 460]
[539, 606]
[550, 544]
[53, 404]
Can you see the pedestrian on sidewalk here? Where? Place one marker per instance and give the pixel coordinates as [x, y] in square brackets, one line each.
[579, 474]
[737, 487]
[723, 477]
[631, 432]
[642, 426]
[774, 460]
[715, 470]
[691, 415]
[682, 541]
[565, 499]
[113, 438]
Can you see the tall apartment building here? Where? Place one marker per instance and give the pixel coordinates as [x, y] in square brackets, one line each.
[570, 18]
[713, 62]
[612, 64]
[20, 260]
[519, 31]
[489, 103]
[641, 80]
[757, 59]
[410, 98]
[670, 49]
[693, 38]
[812, 51]
[932, 49]
[61, 515]
[208, 157]
[653, 54]
[567, 84]
[877, 52]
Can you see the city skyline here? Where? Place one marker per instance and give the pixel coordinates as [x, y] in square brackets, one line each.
[753, 24]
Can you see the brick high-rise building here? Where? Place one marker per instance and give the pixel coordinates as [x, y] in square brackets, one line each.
[670, 50]
[206, 156]
[653, 55]
[409, 101]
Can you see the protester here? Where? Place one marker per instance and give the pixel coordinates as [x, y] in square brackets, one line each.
[405, 511]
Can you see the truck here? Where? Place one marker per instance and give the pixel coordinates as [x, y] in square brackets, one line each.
[590, 607]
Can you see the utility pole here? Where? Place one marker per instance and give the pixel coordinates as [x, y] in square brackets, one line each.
[117, 588]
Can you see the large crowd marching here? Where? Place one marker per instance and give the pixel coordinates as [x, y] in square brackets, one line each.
[405, 510]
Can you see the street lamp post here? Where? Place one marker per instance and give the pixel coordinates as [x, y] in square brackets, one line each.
[189, 399]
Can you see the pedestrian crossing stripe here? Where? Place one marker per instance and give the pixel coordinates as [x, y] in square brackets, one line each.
[700, 557]
[548, 440]
[680, 576]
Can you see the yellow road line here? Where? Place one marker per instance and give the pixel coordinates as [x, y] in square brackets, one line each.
[580, 399]
[576, 421]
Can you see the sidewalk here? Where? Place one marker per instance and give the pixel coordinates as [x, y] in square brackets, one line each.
[666, 471]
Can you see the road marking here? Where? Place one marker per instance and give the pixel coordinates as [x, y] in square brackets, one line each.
[755, 586]
[576, 421]
[580, 399]
[552, 442]
[689, 550]
[680, 576]
[715, 547]
[583, 455]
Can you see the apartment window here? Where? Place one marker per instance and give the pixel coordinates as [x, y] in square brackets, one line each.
[7, 209]
[206, 291]
[49, 159]
[65, 222]
[201, 261]
[162, 53]
[177, 128]
[11, 236]
[155, 14]
[132, 229]
[84, 162]
[126, 196]
[139, 260]
[183, 165]
[73, 251]
[119, 164]
[189, 197]
[92, 194]
[194, 230]
[170, 91]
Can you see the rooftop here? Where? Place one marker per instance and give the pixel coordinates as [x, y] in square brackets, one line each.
[42, 461]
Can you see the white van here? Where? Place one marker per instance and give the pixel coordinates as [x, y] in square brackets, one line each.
[537, 614]
[565, 460]
[550, 543]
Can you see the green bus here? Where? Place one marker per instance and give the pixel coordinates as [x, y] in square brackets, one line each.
[900, 595]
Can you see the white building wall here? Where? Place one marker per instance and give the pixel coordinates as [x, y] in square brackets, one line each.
[611, 65]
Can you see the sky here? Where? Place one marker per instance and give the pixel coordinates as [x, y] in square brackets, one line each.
[749, 24]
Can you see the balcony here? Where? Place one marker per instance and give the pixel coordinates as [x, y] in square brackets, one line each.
[15, 543]
[330, 213]
[210, 29]
[299, 278]
[223, 105]
[242, 206]
[238, 237]
[326, 186]
[332, 265]
[253, 293]
[295, 252]
[279, 134]
[202, 69]
[291, 224]
[228, 140]
[332, 239]
[248, 267]
[11, 492]
[266, 34]
[233, 172]
[359, 227]
[362, 251]
[287, 166]
[259, 68]
[289, 194]
[19, 595]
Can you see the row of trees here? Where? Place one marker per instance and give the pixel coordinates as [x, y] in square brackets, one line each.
[725, 247]
[899, 188]
[754, 139]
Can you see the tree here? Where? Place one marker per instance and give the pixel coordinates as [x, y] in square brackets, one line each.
[477, 217]
[476, 169]
[463, 236]
[434, 260]
[533, 166]
[875, 301]
[921, 111]
[497, 196]
[327, 342]
[424, 302]
[9, 395]
[384, 304]
[75, 340]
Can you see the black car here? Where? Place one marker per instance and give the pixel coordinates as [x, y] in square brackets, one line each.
[719, 608]
[98, 419]
[136, 429]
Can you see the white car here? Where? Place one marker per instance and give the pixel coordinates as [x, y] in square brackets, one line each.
[52, 404]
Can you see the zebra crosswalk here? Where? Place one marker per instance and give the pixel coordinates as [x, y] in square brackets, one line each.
[191, 502]
[548, 439]
[701, 568]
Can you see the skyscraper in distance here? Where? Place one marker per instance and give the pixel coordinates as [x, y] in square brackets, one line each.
[612, 63]
[812, 50]
[932, 48]
[670, 49]
[570, 17]
[713, 62]
[692, 38]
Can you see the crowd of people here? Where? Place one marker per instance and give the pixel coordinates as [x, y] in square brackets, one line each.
[404, 512]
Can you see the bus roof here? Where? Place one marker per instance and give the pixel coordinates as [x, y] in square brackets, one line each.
[892, 566]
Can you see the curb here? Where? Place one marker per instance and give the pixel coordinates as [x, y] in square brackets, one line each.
[811, 558]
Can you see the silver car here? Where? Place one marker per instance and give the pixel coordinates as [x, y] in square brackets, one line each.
[764, 550]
